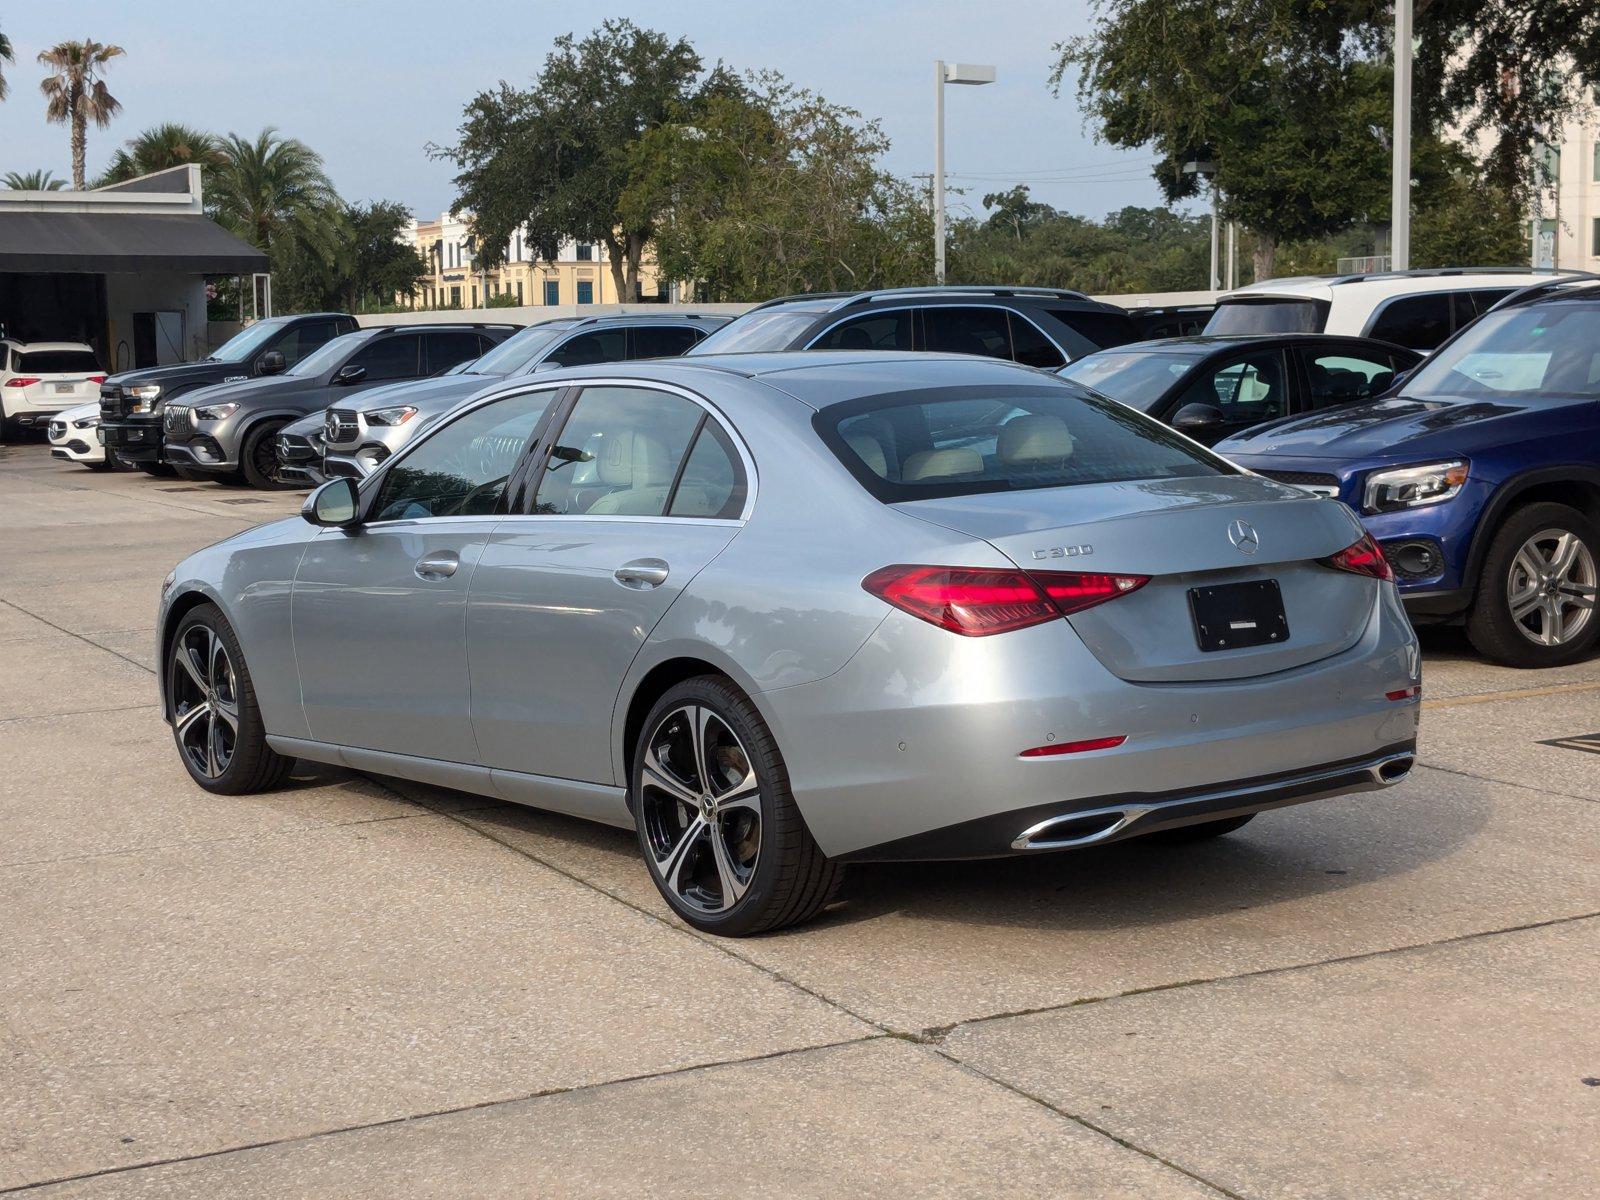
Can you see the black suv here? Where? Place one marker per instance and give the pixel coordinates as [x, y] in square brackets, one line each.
[130, 403]
[230, 430]
[1038, 327]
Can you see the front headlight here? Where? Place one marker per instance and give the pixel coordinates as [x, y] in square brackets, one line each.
[144, 396]
[214, 412]
[1413, 487]
[86, 423]
[398, 415]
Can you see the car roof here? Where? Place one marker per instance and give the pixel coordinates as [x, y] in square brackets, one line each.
[822, 303]
[25, 347]
[1390, 283]
[1221, 341]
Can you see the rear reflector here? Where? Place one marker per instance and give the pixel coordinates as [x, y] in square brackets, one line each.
[1054, 748]
[1361, 558]
[1410, 693]
[978, 601]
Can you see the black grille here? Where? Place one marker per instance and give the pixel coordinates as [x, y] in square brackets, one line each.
[178, 419]
[341, 426]
[1314, 481]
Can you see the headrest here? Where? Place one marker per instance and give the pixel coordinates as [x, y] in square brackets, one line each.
[870, 451]
[630, 459]
[928, 465]
[1032, 439]
[854, 338]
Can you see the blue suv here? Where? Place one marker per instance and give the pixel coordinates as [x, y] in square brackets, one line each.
[1479, 475]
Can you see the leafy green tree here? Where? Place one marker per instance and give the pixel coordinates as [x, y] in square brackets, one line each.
[32, 181]
[772, 190]
[75, 94]
[554, 159]
[161, 147]
[272, 188]
[377, 265]
[1280, 95]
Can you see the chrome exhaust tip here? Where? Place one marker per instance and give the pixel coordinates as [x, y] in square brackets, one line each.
[1072, 830]
[1393, 770]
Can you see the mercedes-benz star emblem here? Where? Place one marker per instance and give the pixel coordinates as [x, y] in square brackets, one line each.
[1243, 535]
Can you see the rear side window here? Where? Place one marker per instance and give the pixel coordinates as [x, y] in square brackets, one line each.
[1269, 316]
[962, 441]
[1415, 322]
[57, 362]
[1030, 347]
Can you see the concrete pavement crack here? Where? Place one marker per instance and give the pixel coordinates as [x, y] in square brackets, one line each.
[73, 634]
[1527, 787]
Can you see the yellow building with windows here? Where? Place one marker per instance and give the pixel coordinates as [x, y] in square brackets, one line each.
[580, 274]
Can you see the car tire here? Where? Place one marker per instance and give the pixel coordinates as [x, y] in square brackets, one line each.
[776, 874]
[1198, 833]
[258, 458]
[1525, 565]
[216, 721]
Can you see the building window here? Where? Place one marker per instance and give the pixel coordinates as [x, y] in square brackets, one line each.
[1594, 243]
[552, 291]
[455, 297]
[1596, 171]
[585, 292]
[519, 292]
[585, 252]
[474, 295]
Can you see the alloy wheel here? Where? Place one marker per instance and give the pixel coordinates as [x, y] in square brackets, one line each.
[1550, 589]
[700, 807]
[205, 702]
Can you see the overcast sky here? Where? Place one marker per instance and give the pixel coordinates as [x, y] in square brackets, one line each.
[368, 83]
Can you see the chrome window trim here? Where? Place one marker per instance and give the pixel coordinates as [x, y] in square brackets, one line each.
[875, 311]
[745, 458]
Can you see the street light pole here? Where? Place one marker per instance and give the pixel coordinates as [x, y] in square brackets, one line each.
[968, 73]
[1400, 199]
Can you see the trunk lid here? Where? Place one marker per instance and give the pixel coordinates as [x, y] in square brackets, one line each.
[1177, 532]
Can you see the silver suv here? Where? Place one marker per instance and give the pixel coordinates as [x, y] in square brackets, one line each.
[360, 434]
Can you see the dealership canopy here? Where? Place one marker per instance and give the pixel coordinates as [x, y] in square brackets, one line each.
[117, 242]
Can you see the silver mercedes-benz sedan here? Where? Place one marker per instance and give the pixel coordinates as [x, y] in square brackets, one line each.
[782, 612]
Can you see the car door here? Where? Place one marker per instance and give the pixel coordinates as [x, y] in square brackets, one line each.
[640, 489]
[1344, 373]
[379, 610]
[1230, 395]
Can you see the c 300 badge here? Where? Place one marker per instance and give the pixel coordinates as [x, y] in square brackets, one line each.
[1063, 552]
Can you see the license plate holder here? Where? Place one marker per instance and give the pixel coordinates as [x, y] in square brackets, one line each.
[1233, 616]
[66, 389]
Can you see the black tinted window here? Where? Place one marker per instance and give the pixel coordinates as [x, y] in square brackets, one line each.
[984, 331]
[1268, 316]
[461, 470]
[1416, 322]
[598, 346]
[955, 441]
[878, 331]
[662, 341]
[1100, 329]
[1341, 376]
[389, 357]
[303, 339]
[58, 362]
[1030, 347]
[448, 347]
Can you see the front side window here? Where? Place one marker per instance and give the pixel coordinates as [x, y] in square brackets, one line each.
[1336, 377]
[963, 441]
[618, 454]
[1138, 379]
[304, 339]
[876, 331]
[596, 346]
[461, 470]
[1525, 353]
[662, 341]
[1247, 391]
[389, 357]
[1415, 322]
[982, 331]
[244, 344]
[447, 347]
[330, 355]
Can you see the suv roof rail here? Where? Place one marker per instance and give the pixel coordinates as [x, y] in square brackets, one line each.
[638, 316]
[853, 299]
[1577, 280]
[423, 325]
[1446, 272]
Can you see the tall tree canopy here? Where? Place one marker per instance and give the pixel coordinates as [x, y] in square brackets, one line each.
[163, 146]
[6, 56]
[766, 189]
[269, 188]
[554, 158]
[74, 93]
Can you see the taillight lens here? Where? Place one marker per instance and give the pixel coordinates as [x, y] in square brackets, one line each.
[97, 379]
[977, 602]
[22, 381]
[1361, 558]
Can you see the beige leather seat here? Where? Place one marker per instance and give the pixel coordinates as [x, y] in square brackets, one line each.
[635, 466]
[930, 466]
[870, 451]
[1035, 442]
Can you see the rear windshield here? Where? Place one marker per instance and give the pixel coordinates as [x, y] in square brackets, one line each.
[758, 331]
[1133, 378]
[58, 362]
[961, 441]
[1268, 316]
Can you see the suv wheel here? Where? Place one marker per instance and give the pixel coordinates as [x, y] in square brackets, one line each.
[720, 832]
[258, 461]
[215, 719]
[1535, 600]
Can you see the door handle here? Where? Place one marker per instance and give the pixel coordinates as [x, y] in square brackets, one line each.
[641, 573]
[441, 564]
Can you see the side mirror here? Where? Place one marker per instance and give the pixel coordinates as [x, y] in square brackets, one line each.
[271, 363]
[335, 504]
[1197, 416]
[350, 373]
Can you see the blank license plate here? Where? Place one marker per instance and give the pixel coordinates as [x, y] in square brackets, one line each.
[66, 389]
[1234, 615]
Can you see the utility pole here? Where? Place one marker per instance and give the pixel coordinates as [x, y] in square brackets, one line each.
[1208, 172]
[968, 73]
[1400, 199]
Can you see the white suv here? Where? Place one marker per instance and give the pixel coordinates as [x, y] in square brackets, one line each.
[39, 379]
[1414, 309]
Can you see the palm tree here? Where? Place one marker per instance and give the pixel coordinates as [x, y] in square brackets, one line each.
[32, 181]
[161, 147]
[74, 95]
[5, 56]
[274, 188]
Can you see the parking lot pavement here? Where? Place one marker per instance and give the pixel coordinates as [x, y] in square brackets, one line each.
[363, 987]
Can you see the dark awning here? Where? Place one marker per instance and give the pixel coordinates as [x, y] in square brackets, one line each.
[114, 243]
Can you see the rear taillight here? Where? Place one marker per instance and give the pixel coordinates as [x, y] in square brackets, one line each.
[22, 381]
[1361, 558]
[977, 601]
[97, 379]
